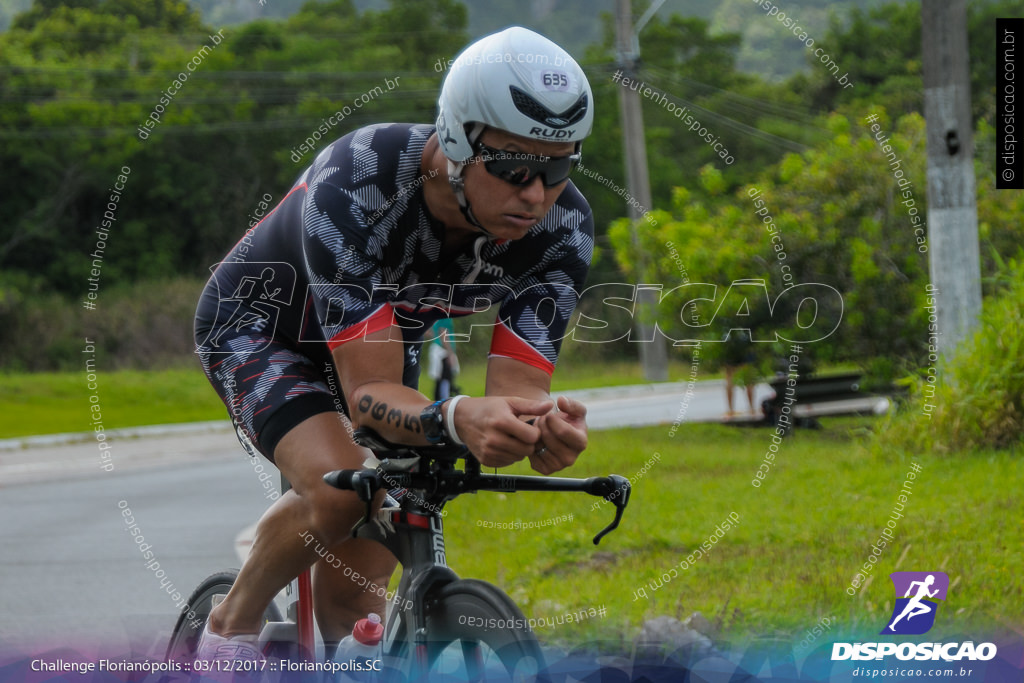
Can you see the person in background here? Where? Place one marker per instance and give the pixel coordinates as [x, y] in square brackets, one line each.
[443, 364]
[739, 361]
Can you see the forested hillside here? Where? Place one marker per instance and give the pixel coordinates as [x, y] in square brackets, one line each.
[200, 121]
[764, 49]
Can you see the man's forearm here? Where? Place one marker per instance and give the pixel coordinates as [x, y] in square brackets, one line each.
[392, 410]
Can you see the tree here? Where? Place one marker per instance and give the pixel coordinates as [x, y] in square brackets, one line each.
[770, 49]
[881, 50]
[973, 401]
[171, 16]
[832, 216]
[79, 80]
[848, 213]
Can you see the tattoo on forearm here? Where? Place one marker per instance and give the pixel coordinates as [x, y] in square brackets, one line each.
[378, 410]
[412, 423]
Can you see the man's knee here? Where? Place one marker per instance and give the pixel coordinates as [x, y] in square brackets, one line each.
[313, 448]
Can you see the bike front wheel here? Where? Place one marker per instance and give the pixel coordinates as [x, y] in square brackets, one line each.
[475, 632]
[189, 627]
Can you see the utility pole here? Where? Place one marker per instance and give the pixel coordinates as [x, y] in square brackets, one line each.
[653, 353]
[952, 210]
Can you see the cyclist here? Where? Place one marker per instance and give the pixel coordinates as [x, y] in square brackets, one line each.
[391, 228]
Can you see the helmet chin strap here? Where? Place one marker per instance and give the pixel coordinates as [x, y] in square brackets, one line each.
[458, 183]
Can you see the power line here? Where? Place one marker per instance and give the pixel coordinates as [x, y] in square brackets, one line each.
[728, 122]
[147, 97]
[214, 74]
[309, 125]
[759, 106]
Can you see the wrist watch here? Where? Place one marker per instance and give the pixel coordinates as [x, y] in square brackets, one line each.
[432, 419]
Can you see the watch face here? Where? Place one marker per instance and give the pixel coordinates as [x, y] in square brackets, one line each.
[433, 423]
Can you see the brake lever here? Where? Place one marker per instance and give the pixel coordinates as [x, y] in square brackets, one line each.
[619, 496]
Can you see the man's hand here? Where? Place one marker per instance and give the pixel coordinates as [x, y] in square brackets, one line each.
[491, 428]
[563, 436]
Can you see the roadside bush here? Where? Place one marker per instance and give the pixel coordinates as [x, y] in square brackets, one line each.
[142, 326]
[977, 400]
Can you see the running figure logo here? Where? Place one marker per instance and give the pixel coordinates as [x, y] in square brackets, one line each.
[914, 612]
[258, 291]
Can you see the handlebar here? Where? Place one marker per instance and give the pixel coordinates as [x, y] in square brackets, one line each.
[444, 483]
[342, 479]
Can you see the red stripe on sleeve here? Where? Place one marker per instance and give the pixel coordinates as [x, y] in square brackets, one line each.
[507, 344]
[382, 318]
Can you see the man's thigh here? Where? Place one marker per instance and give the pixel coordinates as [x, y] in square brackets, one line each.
[315, 446]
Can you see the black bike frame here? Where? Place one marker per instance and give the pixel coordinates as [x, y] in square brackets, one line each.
[417, 540]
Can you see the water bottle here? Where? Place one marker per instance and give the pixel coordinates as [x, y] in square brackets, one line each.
[359, 655]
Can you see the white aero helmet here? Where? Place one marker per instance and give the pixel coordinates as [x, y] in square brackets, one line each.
[517, 81]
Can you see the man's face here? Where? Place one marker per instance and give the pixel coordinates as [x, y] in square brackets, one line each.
[509, 211]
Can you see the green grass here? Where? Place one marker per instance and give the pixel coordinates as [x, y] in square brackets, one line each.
[56, 402]
[801, 537]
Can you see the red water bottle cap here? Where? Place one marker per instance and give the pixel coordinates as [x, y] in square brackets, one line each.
[369, 631]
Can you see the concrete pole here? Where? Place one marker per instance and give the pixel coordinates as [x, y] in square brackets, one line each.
[954, 264]
[653, 353]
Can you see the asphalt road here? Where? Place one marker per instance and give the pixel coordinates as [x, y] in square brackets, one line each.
[71, 573]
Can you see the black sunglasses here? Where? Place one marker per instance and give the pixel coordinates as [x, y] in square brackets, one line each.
[519, 168]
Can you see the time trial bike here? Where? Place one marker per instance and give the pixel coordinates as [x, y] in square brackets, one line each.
[463, 628]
